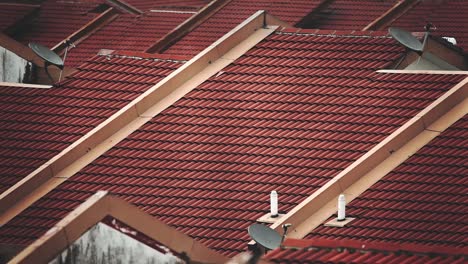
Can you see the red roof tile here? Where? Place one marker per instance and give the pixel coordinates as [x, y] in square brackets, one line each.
[235, 12]
[127, 32]
[287, 116]
[422, 201]
[449, 16]
[56, 21]
[36, 124]
[349, 15]
[350, 251]
[168, 4]
[10, 13]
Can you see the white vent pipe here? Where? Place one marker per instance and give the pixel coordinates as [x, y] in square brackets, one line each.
[274, 204]
[341, 207]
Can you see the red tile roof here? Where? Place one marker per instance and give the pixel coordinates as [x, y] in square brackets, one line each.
[10, 13]
[127, 32]
[37, 124]
[422, 201]
[350, 15]
[287, 116]
[234, 13]
[168, 4]
[449, 16]
[350, 251]
[57, 20]
[150, 27]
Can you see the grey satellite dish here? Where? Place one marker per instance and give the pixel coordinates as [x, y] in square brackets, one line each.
[265, 236]
[50, 57]
[406, 39]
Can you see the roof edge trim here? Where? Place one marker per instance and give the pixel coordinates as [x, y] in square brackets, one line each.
[379, 161]
[96, 208]
[444, 72]
[24, 85]
[19, 49]
[372, 246]
[400, 8]
[188, 25]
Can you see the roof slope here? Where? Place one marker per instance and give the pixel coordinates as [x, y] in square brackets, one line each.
[146, 5]
[56, 20]
[10, 13]
[287, 116]
[349, 15]
[36, 124]
[449, 17]
[231, 15]
[422, 201]
[350, 251]
[127, 32]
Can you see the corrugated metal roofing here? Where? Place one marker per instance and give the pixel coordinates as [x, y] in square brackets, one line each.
[287, 116]
[422, 201]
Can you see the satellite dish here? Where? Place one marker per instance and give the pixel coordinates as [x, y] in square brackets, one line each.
[50, 57]
[265, 236]
[406, 39]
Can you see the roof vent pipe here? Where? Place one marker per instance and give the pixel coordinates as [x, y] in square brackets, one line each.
[274, 204]
[341, 207]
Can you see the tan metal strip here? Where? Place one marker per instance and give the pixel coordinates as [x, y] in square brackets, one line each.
[423, 72]
[85, 31]
[379, 161]
[24, 85]
[133, 116]
[400, 8]
[92, 211]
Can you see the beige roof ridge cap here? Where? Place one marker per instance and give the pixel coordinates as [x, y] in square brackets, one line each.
[24, 85]
[95, 209]
[423, 72]
[388, 154]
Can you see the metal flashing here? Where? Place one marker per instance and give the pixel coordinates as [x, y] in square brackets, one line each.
[336, 223]
[25, 85]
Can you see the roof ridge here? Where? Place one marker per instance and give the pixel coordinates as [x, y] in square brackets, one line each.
[145, 56]
[334, 33]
